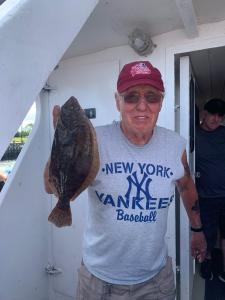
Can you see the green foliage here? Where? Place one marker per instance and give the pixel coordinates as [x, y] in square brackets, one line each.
[22, 135]
[28, 128]
[21, 139]
[17, 134]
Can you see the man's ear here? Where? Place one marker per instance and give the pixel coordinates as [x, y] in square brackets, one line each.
[203, 114]
[117, 98]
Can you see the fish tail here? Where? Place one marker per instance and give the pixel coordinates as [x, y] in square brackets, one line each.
[61, 215]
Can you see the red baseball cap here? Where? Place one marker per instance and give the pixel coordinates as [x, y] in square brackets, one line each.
[139, 72]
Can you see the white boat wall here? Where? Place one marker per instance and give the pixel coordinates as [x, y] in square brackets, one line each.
[39, 261]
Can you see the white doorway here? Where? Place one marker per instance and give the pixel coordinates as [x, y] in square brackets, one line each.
[203, 77]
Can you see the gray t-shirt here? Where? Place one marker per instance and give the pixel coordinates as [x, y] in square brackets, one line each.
[210, 162]
[124, 242]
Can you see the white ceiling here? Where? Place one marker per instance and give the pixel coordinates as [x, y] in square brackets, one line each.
[113, 20]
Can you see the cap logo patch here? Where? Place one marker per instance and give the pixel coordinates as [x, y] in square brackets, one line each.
[140, 68]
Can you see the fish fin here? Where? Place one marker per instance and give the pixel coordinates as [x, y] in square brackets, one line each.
[61, 217]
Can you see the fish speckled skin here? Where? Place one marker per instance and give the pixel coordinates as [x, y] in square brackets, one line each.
[74, 161]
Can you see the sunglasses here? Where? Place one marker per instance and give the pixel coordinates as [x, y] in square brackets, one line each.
[134, 97]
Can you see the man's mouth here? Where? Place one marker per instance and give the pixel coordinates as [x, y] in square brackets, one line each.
[141, 117]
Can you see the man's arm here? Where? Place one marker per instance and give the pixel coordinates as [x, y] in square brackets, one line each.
[3, 177]
[188, 193]
[47, 185]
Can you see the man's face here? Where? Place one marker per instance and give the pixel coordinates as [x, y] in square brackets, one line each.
[211, 121]
[139, 107]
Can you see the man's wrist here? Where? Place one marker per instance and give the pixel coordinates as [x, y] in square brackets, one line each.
[197, 229]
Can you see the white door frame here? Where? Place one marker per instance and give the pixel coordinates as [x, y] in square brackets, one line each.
[186, 261]
[199, 44]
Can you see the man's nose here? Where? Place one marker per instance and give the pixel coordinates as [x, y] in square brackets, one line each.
[142, 104]
[216, 117]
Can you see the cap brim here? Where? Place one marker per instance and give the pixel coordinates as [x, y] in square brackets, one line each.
[126, 85]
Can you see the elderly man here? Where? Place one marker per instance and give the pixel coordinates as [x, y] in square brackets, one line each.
[125, 253]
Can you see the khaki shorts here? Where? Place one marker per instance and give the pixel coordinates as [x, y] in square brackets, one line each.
[161, 286]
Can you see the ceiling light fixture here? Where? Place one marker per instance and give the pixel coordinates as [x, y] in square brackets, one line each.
[141, 42]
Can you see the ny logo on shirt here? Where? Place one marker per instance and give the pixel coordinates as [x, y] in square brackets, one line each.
[141, 186]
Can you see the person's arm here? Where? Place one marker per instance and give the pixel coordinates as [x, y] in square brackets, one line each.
[47, 185]
[188, 193]
[3, 176]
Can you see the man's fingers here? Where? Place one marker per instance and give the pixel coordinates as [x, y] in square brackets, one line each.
[200, 257]
[46, 179]
[55, 114]
[200, 254]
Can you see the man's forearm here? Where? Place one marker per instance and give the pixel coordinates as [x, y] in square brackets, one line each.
[189, 196]
[188, 193]
[48, 188]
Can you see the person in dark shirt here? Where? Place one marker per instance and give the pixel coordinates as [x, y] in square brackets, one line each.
[210, 180]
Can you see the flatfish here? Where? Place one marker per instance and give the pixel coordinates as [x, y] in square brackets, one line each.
[74, 161]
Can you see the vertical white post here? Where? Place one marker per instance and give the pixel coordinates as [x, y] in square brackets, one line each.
[186, 261]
